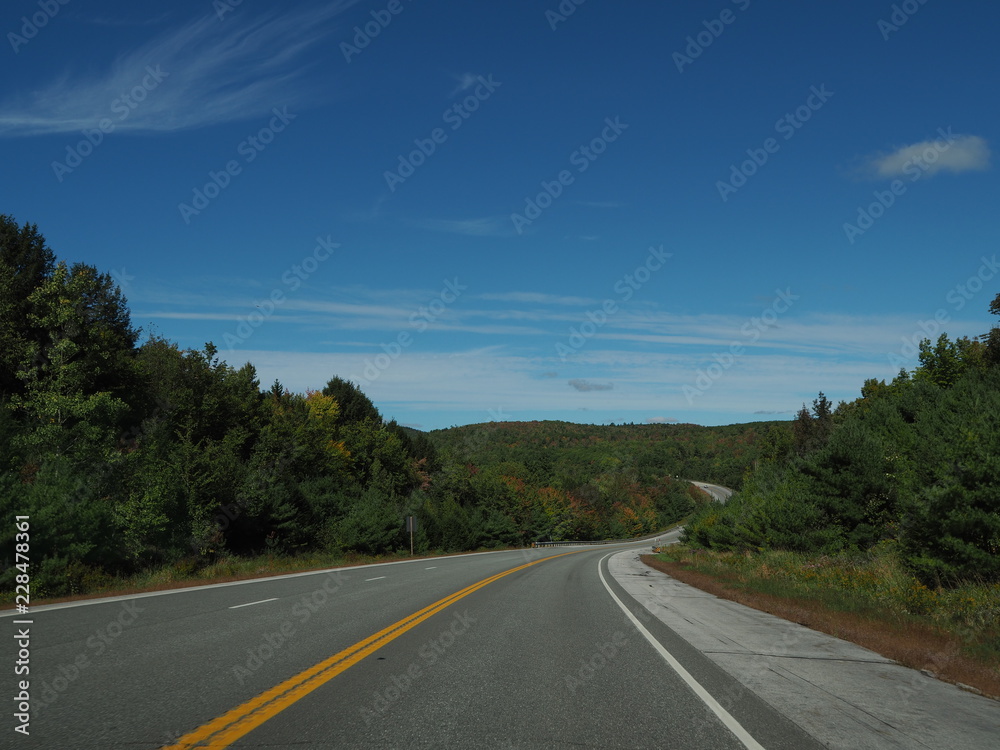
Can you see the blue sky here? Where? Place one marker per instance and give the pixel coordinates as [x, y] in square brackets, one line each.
[698, 212]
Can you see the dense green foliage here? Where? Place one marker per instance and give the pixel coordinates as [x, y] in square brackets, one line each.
[914, 463]
[129, 456]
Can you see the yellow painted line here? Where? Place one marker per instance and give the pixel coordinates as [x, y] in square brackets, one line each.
[222, 732]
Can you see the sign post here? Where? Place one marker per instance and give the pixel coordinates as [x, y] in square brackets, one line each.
[411, 526]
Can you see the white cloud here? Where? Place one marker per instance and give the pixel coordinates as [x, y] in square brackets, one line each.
[539, 298]
[486, 226]
[212, 72]
[586, 386]
[950, 153]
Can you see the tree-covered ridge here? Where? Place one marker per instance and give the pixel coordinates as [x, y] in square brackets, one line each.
[592, 481]
[568, 455]
[913, 463]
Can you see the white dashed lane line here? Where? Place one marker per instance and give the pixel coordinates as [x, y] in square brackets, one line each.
[250, 604]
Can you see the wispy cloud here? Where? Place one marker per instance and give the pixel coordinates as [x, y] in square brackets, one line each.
[465, 82]
[955, 153]
[586, 385]
[121, 20]
[600, 204]
[486, 226]
[538, 298]
[212, 73]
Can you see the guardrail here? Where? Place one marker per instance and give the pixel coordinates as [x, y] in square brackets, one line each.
[567, 543]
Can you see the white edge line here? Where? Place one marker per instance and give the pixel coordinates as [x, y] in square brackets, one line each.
[250, 604]
[724, 716]
[202, 587]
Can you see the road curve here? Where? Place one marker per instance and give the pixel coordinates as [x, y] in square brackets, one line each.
[522, 649]
[718, 492]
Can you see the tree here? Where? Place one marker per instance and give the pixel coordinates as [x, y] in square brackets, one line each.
[992, 338]
[857, 476]
[941, 363]
[355, 406]
[24, 250]
[952, 531]
[25, 262]
[73, 376]
[823, 412]
[803, 431]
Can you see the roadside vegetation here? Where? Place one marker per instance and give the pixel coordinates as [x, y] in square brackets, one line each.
[867, 598]
[881, 518]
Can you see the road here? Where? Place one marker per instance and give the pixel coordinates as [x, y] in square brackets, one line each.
[716, 491]
[522, 649]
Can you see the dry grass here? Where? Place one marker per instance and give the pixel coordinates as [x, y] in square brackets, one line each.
[900, 627]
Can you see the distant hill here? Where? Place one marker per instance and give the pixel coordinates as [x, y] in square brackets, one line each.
[568, 455]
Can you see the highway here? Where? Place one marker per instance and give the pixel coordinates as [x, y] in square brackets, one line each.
[516, 649]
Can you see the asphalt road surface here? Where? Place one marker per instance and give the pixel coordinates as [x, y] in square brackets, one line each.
[523, 649]
[716, 491]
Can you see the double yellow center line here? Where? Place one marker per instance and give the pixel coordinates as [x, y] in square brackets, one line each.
[222, 732]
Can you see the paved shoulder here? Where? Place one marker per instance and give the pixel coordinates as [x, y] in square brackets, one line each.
[840, 693]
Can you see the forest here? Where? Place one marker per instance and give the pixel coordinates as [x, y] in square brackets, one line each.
[912, 466]
[132, 455]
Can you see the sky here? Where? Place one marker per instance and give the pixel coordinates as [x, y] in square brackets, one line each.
[698, 212]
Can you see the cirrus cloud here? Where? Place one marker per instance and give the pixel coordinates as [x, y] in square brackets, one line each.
[213, 72]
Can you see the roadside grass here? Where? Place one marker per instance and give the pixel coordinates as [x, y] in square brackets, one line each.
[869, 599]
[85, 583]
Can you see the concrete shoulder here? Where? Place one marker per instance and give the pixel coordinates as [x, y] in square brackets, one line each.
[842, 694]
